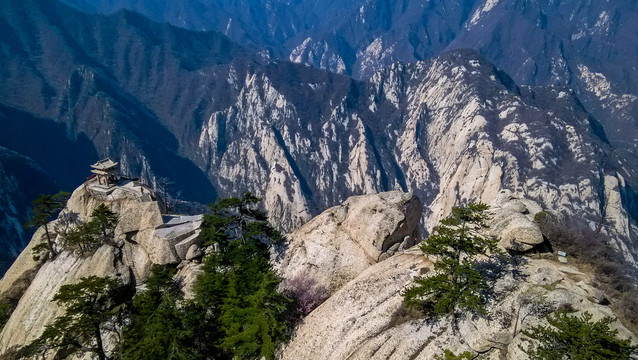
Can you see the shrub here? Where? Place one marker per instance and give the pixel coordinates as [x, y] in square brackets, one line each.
[449, 355]
[6, 309]
[306, 293]
[612, 273]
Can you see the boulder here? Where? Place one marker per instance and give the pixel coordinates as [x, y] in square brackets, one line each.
[512, 223]
[183, 246]
[160, 250]
[194, 252]
[520, 234]
[186, 276]
[343, 241]
[134, 256]
[136, 216]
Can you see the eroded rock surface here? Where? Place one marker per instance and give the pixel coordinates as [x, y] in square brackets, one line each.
[366, 318]
[512, 222]
[343, 241]
[19, 276]
[143, 237]
[36, 308]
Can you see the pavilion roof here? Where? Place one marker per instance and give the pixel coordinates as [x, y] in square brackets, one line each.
[105, 164]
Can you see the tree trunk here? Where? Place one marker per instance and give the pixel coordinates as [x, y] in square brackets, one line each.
[49, 242]
[100, 348]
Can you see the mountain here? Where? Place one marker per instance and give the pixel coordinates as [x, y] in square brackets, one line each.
[586, 45]
[365, 317]
[219, 119]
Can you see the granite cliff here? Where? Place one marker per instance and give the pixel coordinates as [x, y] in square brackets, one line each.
[142, 237]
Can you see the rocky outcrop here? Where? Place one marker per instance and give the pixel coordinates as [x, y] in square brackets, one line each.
[143, 237]
[450, 129]
[366, 318]
[336, 246]
[141, 225]
[36, 308]
[362, 251]
[20, 275]
[512, 222]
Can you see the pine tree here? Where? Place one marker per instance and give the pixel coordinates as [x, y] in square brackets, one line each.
[44, 207]
[90, 235]
[105, 220]
[88, 306]
[457, 284]
[245, 316]
[83, 237]
[253, 317]
[157, 329]
[578, 338]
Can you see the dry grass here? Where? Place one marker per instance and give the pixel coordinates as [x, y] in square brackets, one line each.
[590, 251]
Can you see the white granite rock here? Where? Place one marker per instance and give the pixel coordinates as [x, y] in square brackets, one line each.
[511, 223]
[343, 241]
[365, 319]
[36, 309]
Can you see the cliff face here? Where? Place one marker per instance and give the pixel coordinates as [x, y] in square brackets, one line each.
[367, 229]
[454, 128]
[21, 179]
[586, 45]
[142, 237]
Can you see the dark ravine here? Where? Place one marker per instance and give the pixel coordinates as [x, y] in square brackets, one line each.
[219, 119]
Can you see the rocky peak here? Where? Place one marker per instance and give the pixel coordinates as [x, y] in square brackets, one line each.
[143, 237]
[361, 251]
[449, 130]
[365, 318]
[340, 243]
